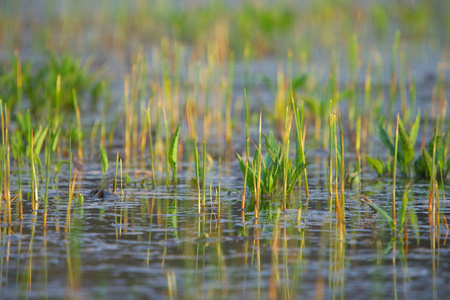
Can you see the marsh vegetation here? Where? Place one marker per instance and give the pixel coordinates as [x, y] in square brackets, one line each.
[223, 149]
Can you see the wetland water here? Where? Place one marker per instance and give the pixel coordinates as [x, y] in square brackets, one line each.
[152, 244]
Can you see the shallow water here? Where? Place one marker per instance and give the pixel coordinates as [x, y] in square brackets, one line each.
[153, 244]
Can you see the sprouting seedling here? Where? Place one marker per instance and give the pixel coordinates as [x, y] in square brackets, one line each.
[152, 156]
[286, 162]
[387, 217]
[218, 191]
[341, 155]
[204, 165]
[5, 162]
[104, 160]
[423, 165]
[79, 136]
[167, 147]
[173, 153]
[267, 172]
[119, 157]
[379, 210]
[395, 172]
[247, 149]
[197, 177]
[405, 153]
[299, 146]
[34, 180]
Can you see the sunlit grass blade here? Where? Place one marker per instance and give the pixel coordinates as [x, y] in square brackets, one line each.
[173, 153]
[103, 160]
[394, 170]
[379, 210]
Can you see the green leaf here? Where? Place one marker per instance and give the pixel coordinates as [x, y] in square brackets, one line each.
[415, 128]
[294, 177]
[104, 160]
[39, 138]
[55, 138]
[376, 164]
[378, 209]
[384, 137]
[428, 162]
[272, 146]
[173, 152]
[407, 147]
[447, 167]
[313, 104]
[299, 81]
[58, 168]
[298, 142]
[197, 165]
[420, 167]
[347, 94]
[250, 172]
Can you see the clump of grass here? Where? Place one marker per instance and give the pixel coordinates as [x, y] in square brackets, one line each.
[5, 163]
[273, 170]
[300, 141]
[406, 150]
[423, 165]
[392, 220]
[405, 216]
[11, 82]
[35, 83]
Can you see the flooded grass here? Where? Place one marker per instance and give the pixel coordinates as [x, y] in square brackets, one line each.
[176, 173]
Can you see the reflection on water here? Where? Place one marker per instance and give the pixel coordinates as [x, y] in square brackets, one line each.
[153, 244]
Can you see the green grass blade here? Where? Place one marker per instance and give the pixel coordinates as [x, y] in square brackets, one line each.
[58, 168]
[104, 160]
[407, 146]
[173, 153]
[415, 128]
[376, 164]
[294, 177]
[379, 210]
[385, 138]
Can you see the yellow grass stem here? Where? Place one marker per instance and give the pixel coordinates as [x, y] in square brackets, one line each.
[395, 174]
[69, 202]
[204, 165]
[258, 184]
[218, 193]
[79, 136]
